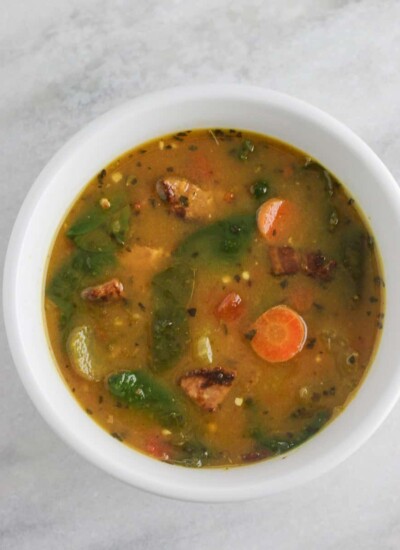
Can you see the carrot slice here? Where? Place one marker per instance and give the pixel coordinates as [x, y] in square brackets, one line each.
[280, 333]
[277, 220]
[230, 308]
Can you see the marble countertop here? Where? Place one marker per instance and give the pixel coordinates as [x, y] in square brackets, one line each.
[62, 64]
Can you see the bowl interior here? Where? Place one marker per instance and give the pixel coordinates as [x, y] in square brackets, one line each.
[86, 154]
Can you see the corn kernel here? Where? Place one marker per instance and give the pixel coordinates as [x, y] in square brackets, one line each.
[245, 275]
[116, 177]
[166, 432]
[238, 401]
[105, 203]
[226, 279]
[303, 392]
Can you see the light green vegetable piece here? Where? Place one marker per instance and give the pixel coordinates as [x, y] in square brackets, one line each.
[83, 355]
[204, 350]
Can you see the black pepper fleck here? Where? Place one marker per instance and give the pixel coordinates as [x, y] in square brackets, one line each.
[250, 334]
[311, 343]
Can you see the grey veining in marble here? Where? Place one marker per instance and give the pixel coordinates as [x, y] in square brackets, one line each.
[62, 63]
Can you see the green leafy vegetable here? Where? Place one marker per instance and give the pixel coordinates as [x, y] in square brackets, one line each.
[120, 224]
[77, 270]
[323, 174]
[353, 257]
[95, 241]
[100, 230]
[97, 235]
[223, 240]
[140, 390]
[260, 189]
[172, 290]
[191, 454]
[281, 444]
[245, 149]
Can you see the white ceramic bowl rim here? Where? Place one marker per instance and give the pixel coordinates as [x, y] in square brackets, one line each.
[49, 199]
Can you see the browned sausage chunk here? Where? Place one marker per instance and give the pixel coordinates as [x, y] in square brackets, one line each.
[185, 199]
[284, 260]
[315, 264]
[110, 290]
[208, 388]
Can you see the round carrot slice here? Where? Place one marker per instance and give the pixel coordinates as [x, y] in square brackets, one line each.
[280, 333]
[277, 220]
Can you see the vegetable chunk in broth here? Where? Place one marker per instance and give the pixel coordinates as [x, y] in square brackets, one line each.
[213, 298]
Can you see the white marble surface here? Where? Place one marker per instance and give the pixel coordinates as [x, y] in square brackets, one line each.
[64, 62]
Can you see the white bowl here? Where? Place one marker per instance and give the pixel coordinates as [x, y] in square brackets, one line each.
[151, 116]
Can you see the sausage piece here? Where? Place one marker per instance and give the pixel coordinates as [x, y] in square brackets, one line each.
[110, 290]
[186, 200]
[316, 265]
[207, 387]
[285, 260]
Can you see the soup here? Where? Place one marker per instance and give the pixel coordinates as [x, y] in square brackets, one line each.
[213, 298]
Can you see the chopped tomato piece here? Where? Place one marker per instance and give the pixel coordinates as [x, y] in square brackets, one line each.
[279, 334]
[156, 447]
[231, 307]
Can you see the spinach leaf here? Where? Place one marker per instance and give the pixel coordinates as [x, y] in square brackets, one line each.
[224, 240]
[172, 290]
[140, 390]
[329, 182]
[100, 230]
[91, 220]
[192, 454]
[119, 225]
[281, 444]
[77, 270]
[95, 241]
[245, 149]
[353, 257]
